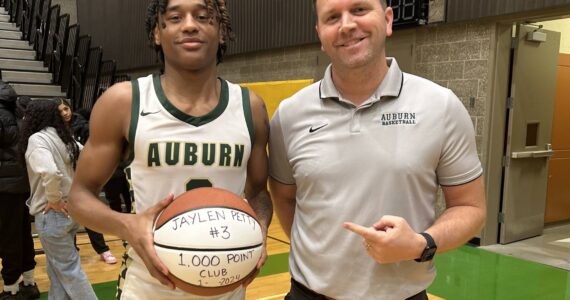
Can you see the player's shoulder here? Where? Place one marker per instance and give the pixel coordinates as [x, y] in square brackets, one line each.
[121, 89]
[117, 95]
[115, 101]
[258, 110]
[255, 100]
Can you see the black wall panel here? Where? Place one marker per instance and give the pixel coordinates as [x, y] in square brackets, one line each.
[268, 24]
[117, 26]
[462, 10]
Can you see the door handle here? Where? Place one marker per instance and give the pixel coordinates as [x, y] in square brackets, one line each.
[532, 154]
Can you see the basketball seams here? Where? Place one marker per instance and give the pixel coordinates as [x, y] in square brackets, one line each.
[156, 221]
[208, 249]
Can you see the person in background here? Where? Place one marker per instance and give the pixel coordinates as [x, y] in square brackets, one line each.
[117, 190]
[79, 126]
[16, 243]
[50, 152]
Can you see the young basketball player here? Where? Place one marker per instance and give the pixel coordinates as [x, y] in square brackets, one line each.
[370, 145]
[183, 129]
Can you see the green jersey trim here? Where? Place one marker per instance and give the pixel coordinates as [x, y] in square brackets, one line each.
[135, 106]
[248, 114]
[195, 121]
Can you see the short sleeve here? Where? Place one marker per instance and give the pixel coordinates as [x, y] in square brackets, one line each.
[459, 162]
[279, 166]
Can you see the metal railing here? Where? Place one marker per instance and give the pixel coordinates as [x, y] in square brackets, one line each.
[75, 66]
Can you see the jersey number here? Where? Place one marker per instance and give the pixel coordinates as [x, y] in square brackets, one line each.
[197, 183]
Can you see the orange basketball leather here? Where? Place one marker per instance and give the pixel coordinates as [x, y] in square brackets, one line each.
[204, 198]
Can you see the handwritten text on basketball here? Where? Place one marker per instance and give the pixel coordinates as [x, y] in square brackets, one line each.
[208, 262]
[203, 216]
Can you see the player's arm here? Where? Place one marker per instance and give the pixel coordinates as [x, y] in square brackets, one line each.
[98, 159]
[256, 185]
[106, 145]
[284, 201]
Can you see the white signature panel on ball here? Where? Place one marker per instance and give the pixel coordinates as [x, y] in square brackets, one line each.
[210, 247]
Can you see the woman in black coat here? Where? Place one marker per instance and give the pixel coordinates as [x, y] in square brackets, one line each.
[16, 243]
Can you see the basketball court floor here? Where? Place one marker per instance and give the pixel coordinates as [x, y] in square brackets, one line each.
[465, 273]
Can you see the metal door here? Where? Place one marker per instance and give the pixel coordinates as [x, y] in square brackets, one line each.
[531, 102]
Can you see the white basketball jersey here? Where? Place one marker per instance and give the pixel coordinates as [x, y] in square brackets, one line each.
[172, 152]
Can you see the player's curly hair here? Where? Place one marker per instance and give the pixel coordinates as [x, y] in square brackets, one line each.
[216, 8]
[39, 115]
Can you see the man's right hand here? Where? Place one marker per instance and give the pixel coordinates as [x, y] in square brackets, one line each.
[139, 236]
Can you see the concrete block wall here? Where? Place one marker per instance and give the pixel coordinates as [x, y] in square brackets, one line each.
[302, 62]
[457, 56]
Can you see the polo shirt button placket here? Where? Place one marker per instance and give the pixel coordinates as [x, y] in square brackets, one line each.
[355, 121]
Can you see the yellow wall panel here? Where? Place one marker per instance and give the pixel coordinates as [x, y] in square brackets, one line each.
[273, 92]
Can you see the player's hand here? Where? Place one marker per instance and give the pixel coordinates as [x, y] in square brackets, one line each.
[59, 206]
[139, 236]
[389, 240]
[255, 272]
[261, 260]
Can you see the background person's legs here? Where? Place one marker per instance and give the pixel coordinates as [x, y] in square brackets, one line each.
[116, 187]
[98, 243]
[68, 281]
[16, 244]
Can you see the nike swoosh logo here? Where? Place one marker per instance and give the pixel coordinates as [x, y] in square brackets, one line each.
[313, 129]
[146, 113]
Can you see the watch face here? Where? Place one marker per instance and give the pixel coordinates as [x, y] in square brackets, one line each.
[429, 254]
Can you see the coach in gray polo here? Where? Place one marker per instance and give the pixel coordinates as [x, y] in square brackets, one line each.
[356, 160]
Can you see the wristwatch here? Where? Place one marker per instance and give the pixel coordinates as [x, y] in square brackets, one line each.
[429, 250]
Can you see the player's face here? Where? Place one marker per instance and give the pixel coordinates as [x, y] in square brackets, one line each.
[65, 112]
[188, 35]
[353, 32]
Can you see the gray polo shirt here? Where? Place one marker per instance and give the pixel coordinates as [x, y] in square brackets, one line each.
[386, 157]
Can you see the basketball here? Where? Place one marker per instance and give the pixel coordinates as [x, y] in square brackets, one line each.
[209, 239]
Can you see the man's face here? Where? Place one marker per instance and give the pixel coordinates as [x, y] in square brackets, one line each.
[188, 35]
[353, 32]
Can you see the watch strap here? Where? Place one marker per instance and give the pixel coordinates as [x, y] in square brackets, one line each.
[430, 244]
[429, 239]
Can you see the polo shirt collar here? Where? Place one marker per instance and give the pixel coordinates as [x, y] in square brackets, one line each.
[391, 86]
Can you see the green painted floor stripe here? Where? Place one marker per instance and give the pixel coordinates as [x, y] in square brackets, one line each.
[471, 273]
[465, 273]
[275, 264]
